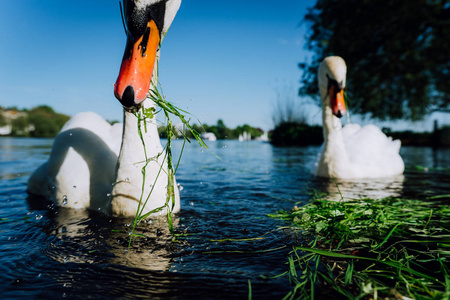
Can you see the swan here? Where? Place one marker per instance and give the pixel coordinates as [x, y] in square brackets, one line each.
[351, 151]
[94, 165]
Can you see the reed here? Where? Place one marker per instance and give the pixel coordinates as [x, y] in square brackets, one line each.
[368, 249]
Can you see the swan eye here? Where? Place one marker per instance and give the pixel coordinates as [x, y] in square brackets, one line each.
[333, 83]
[137, 18]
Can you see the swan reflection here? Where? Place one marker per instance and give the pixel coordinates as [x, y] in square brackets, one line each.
[374, 188]
[82, 236]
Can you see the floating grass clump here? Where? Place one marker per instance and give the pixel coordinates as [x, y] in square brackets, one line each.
[145, 115]
[370, 249]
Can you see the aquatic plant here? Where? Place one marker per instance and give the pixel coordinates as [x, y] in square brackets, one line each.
[388, 248]
[143, 116]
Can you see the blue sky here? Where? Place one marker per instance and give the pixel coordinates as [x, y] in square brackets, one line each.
[223, 59]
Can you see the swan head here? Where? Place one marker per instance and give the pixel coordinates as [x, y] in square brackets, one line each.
[332, 75]
[146, 22]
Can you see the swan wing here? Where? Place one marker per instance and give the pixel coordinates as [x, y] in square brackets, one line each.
[80, 170]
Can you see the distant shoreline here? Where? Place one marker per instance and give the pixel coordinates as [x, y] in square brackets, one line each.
[294, 134]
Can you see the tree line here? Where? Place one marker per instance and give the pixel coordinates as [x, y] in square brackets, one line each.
[41, 121]
[220, 130]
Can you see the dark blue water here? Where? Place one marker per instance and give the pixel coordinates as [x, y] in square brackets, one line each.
[63, 253]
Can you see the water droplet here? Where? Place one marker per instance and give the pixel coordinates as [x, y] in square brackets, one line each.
[64, 200]
[180, 187]
[127, 180]
[109, 194]
[224, 146]
[201, 151]
[99, 209]
[191, 203]
[38, 217]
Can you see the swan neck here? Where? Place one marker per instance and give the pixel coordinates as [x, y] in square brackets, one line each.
[138, 131]
[334, 151]
[331, 124]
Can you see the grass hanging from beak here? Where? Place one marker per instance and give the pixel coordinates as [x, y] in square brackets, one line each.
[147, 114]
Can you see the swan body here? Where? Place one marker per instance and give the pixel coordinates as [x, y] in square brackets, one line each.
[94, 165]
[351, 151]
[80, 170]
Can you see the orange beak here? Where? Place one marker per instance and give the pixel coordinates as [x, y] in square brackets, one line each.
[337, 101]
[135, 74]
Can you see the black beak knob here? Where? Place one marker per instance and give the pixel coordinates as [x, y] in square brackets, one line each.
[128, 97]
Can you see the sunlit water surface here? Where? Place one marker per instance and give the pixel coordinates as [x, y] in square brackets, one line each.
[226, 194]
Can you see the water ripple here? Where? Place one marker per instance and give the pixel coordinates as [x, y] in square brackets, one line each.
[58, 252]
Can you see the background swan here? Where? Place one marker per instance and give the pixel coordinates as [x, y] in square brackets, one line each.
[352, 151]
[98, 166]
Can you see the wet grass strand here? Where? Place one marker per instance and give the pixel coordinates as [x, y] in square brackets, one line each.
[367, 248]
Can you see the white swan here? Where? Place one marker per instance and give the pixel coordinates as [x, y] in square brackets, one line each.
[97, 166]
[353, 151]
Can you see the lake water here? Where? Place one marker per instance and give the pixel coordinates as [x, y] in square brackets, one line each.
[57, 253]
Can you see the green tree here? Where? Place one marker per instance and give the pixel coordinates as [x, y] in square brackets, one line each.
[254, 132]
[19, 126]
[46, 122]
[296, 134]
[221, 129]
[3, 121]
[396, 53]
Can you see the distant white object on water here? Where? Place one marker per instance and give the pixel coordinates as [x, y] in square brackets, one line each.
[264, 137]
[208, 136]
[245, 136]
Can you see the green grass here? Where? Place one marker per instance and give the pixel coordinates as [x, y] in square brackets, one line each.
[368, 249]
[143, 116]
